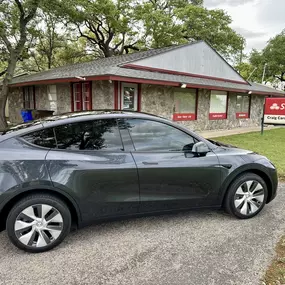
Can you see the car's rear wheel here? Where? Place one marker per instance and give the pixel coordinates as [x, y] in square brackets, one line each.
[38, 223]
[246, 196]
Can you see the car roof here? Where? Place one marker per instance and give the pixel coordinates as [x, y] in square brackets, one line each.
[73, 117]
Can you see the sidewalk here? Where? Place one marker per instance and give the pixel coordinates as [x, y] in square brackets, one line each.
[236, 131]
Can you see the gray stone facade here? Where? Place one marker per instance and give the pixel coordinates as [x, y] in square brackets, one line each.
[155, 99]
[159, 100]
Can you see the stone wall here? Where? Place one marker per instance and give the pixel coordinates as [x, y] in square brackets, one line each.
[15, 98]
[63, 98]
[159, 100]
[102, 95]
[155, 99]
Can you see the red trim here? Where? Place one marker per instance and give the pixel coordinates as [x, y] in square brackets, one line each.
[184, 117]
[80, 94]
[249, 107]
[196, 107]
[72, 98]
[168, 71]
[242, 115]
[34, 96]
[218, 116]
[139, 97]
[227, 108]
[90, 94]
[145, 81]
[116, 93]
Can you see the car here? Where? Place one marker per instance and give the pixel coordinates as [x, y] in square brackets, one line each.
[68, 171]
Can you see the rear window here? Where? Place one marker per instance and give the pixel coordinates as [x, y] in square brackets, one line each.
[43, 138]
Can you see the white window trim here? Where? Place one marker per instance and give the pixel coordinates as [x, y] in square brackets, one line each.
[132, 85]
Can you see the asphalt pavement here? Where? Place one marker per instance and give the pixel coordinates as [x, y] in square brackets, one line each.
[198, 247]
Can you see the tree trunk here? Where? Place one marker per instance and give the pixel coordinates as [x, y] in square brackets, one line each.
[5, 90]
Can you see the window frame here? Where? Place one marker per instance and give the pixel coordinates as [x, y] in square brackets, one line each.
[81, 95]
[221, 115]
[136, 99]
[33, 101]
[178, 117]
[244, 115]
[156, 151]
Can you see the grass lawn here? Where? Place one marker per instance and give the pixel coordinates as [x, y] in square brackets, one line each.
[271, 144]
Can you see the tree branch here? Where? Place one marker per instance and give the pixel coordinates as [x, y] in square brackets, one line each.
[6, 41]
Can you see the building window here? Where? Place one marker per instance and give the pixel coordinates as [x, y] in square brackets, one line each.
[185, 105]
[129, 96]
[29, 97]
[218, 105]
[81, 96]
[243, 107]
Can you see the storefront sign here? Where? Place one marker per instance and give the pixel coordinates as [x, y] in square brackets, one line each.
[217, 116]
[184, 117]
[274, 111]
[242, 115]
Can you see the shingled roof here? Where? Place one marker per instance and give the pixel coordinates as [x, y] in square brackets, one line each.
[115, 66]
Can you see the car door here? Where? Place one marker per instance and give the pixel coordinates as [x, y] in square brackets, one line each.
[90, 162]
[170, 175]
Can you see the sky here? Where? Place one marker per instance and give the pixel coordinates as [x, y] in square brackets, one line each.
[256, 20]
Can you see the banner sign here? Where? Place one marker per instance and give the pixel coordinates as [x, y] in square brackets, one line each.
[184, 117]
[217, 116]
[274, 111]
[242, 115]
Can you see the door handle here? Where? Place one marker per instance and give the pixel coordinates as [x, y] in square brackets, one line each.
[149, 163]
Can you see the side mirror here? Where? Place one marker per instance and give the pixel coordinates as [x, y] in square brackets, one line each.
[200, 148]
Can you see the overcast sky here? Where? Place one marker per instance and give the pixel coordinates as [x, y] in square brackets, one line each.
[256, 20]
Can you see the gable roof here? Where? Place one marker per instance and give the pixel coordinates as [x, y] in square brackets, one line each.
[118, 68]
[198, 58]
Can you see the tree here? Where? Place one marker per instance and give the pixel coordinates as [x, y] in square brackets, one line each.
[52, 44]
[274, 56]
[271, 60]
[15, 18]
[123, 26]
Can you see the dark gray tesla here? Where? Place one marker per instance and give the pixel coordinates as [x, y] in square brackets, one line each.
[70, 170]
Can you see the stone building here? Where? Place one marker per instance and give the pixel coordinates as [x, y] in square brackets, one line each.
[191, 84]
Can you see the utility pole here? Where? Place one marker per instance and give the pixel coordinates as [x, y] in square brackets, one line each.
[263, 75]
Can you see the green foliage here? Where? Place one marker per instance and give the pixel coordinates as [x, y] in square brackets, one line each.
[116, 27]
[273, 57]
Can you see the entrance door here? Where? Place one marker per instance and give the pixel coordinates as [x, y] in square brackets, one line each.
[170, 175]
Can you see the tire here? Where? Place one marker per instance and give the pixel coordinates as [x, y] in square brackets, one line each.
[246, 196]
[38, 223]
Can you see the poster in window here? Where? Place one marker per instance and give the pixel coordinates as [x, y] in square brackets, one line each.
[128, 98]
[242, 106]
[184, 105]
[218, 105]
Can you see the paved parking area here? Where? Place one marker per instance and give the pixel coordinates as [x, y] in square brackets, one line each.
[197, 247]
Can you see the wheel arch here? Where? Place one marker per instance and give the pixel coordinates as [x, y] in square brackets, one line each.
[71, 204]
[260, 172]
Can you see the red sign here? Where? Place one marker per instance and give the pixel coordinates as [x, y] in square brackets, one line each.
[274, 111]
[242, 115]
[184, 117]
[217, 116]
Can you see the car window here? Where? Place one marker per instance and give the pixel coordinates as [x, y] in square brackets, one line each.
[149, 135]
[89, 135]
[43, 138]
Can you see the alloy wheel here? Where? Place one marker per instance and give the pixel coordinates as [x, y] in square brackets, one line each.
[38, 225]
[249, 197]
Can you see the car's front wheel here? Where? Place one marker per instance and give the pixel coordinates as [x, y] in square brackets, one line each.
[38, 223]
[246, 196]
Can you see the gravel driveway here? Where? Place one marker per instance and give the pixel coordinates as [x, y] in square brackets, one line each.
[198, 247]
